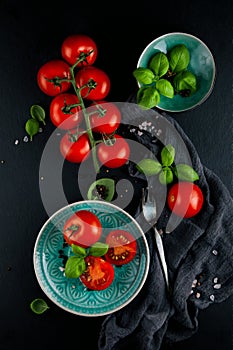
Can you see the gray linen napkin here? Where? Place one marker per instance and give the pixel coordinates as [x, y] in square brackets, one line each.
[199, 253]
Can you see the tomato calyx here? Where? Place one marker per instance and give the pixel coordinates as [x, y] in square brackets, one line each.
[83, 57]
[73, 229]
[74, 136]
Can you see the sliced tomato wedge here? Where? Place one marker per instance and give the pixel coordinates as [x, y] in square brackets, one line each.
[99, 273]
[122, 247]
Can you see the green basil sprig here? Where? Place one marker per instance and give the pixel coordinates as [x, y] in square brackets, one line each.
[167, 75]
[76, 265]
[167, 170]
[32, 125]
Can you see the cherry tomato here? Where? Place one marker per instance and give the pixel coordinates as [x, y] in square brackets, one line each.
[83, 228]
[98, 83]
[122, 247]
[114, 155]
[75, 45]
[107, 117]
[75, 147]
[62, 114]
[99, 273]
[49, 74]
[185, 199]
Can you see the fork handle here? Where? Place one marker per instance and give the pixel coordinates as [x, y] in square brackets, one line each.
[159, 243]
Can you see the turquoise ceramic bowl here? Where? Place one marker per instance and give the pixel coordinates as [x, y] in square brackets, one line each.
[201, 64]
[69, 293]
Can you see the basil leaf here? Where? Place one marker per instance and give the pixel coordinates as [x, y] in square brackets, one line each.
[165, 88]
[143, 75]
[149, 166]
[38, 113]
[166, 176]
[39, 306]
[159, 64]
[102, 189]
[32, 127]
[179, 58]
[98, 249]
[74, 267]
[185, 172]
[148, 97]
[185, 81]
[168, 155]
[78, 251]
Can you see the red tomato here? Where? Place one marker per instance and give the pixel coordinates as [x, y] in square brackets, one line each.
[83, 228]
[114, 155]
[122, 247]
[99, 273]
[185, 199]
[107, 117]
[75, 148]
[75, 45]
[61, 113]
[98, 80]
[49, 74]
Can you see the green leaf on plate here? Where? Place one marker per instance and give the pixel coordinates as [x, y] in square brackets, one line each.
[143, 75]
[98, 249]
[165, 88]
[74, 267]
[148, 97]
[159, 64]
[38, 306]
[79, 251]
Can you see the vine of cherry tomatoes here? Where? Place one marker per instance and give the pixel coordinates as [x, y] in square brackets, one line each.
[78, 107]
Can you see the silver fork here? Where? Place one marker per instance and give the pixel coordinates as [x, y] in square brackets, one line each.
[150, 214]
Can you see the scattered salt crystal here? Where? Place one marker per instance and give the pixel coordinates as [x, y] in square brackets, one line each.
[215, 280]
[42, 178]
[140, 133]
[61, 268]
[217, 286]
[212, 297]
[40, 130]
[16, 142]
[2, 161]
[25, 139]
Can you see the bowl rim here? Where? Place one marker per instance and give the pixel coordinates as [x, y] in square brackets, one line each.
[212, 58]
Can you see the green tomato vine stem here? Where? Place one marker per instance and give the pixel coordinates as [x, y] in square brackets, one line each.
[83, 107]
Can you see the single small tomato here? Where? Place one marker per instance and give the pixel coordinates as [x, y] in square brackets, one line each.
[114, 152]
[185, 199]
[99, 273]
[74, 46]
[62, 114]
[49, 76]
[83, 228]
[97, 80]
[122, 247]
[75, 146]
[107, 117]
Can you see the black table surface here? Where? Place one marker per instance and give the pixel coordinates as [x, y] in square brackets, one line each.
[30, 34]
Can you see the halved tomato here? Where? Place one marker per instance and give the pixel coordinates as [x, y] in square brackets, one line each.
[122, 247]
[99, 273]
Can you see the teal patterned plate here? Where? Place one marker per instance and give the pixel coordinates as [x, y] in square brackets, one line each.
[201, 64]
[70, 294]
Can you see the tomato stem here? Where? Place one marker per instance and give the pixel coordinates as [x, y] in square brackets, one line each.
[86, 117]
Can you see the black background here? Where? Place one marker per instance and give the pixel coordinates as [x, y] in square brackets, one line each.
[32, 33]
